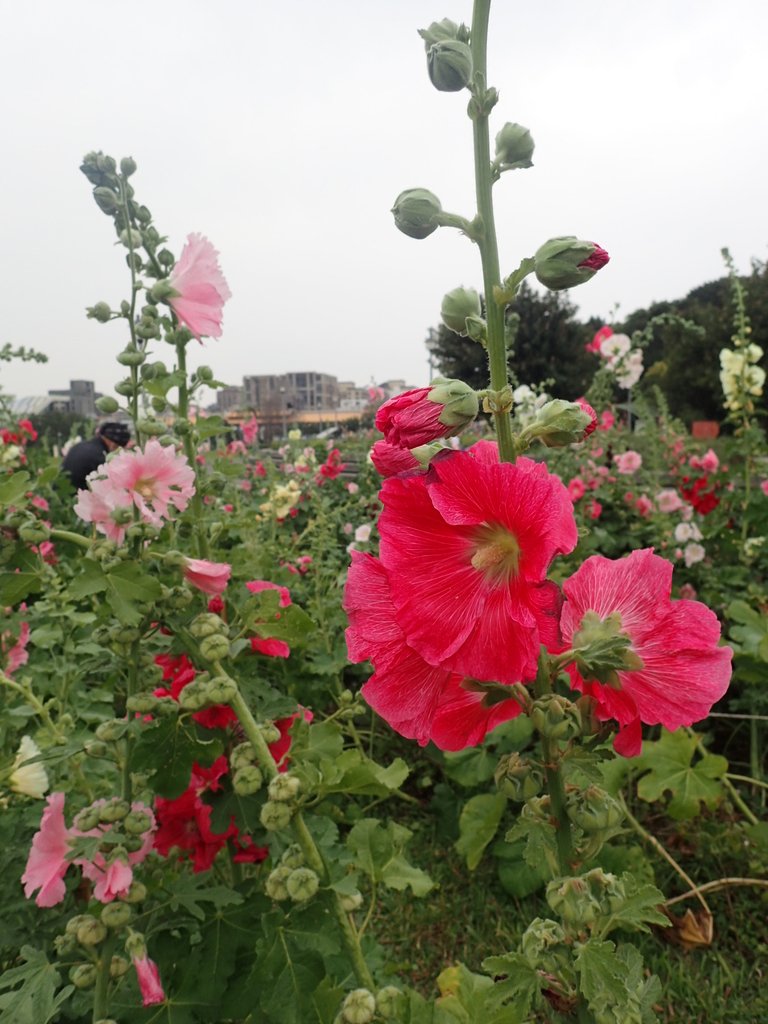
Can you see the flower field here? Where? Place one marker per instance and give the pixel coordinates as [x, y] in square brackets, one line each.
[454, 719]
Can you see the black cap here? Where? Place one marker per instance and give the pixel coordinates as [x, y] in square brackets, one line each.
[120, 433]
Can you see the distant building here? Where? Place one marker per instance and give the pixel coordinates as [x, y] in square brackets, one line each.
[79, 398]
[230, 398]
[297, 392]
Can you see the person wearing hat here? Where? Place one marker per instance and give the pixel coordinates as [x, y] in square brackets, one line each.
[84, 457]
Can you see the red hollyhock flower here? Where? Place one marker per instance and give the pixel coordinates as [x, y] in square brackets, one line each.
[331, 468]
[467, 548]
[179, 671]
[684, 671]
[391, 459]
[421, 415]
[420, 701]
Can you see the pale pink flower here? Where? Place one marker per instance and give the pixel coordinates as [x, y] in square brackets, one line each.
[210, 577]
[693, 553]
[200, 288]
[352, 487]
[99, 504]
[688, 592]
[153, 479]
[47, 863]
[628, 462]
[148, 976]
[39, 502]
[236, 448]
[644, 505]
[668, 500]
[17, 654]
[709, 462]
[363, 533]
[250, 430]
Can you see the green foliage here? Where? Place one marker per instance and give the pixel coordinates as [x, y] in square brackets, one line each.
[378, 851]
[39, 997]
[671, 765]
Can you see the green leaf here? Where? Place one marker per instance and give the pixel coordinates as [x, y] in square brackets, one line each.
[471, 767]
[540, 843]
[378, 852]
[13, 487]
[515, 874]
[127, 587]
[478, 823]
[640, 907]
[261, 614]
[669, 767]
[520, 988]
[168, 747]
[352, 772]
[602, 975]
[16, 586]
[90, 581]
[36, 1001]
[190, 891]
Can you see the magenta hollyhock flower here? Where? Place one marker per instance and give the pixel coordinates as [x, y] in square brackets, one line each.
[418, 700]
[200, 288]
[684, 671]
[210, 577]
[148, 976]
[467, 548]
[391, 459]
[153, 479]
[47, 862]
[250, 429]
[16, 655]
[598, 338]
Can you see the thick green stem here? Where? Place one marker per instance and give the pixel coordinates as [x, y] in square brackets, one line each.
[196, 505]
[72, 538]
[554, 778]
[312, 855]
[486, 240]
[100, 991]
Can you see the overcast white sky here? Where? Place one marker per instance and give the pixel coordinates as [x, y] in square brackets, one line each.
[284, 129]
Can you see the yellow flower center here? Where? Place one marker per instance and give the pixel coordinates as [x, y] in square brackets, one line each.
[145, 489]
[496, 553]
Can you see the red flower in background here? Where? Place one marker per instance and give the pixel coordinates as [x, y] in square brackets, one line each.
[331, 468]
[700, 494]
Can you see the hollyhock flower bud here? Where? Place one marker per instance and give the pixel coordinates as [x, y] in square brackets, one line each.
[127, 166]
[101, 312]
[284, 787]
[439, 31]
[457, 305]
[107, 404]
[352, 901]
[275, 815]
[90, 931]
[293, 857]
[131, 238]
[83, 976]
[116, 915]
[118, 967]
[572, 900]
[358, 1007]
[517, 779]
[214, 648]
[302, 884]
[559, 423]
[391, 459]
[114, 810]
[207, 624]
[449, 63]
[416, 212]
[275, 885]
[567, 261]
[416, 417]
[594, 810]
[390, 1002]
[556, 717]
[135, 893]
[514, 147]
[242, 755]
[247, 780]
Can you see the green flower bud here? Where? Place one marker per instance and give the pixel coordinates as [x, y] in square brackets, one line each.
[107, 200]
[90, 931]
[114, 810]
[194, 696]
[95, 748]
[457, 305]
[107, 404]
[74, 923]
[284, 787]
[87, 819]
[166, 258]
[477, 329]
[449, 63]
[214, 648]
[131, 357]
[514, 147]
[594, 810]
[416, 212]
[556, 717]
[439, 31]
[116, 915]
[390, 1002]
[136, 893]
[242, 755]
[358, 1007]
[136, 823]
[131, 238]
[567, 261]
[205, 373]
[208, 624]
[127, 166]
[133, 843]
[126, 387]
[269, 732]
[101, 312]
[142, 704]
[112, 730]
[540, 938]
[33, 531]
[275, 885]
[221, 690]
[159, 404]
[352, 901]
[559, 423]
[151, 427]
[275, 816]
[459, 402]
[247, 780]
[302, 884]
[292, 857]
[118, 966]
[83, 976]
[573, 900]
[517, 778]
[162, 291]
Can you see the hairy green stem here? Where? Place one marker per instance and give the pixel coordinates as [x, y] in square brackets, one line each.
[486, 235]
[100, 991]
[72, 538]
[554, 778]
[312, 855]
[196, 505]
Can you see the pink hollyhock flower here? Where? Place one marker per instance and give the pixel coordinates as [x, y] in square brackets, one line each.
[210, 577]
[99, 505]
[576, 489]
[668, 500]
[375, 395]
[421, 415]
[587, 408]
[148, 976]
[258, 586]
[594, 509]
[391, 459]
[250, 430]
[628, 462]
[47, 862]
[112, 879]
[607, 420]
[200, 288]
[236, 448]
[153, 479]
[418, 700]
[709, 462]
[764, 487]
[16, 655]
[682, 672]
[467, 548]
[688, 592]
[644, 505]
[39, 502]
